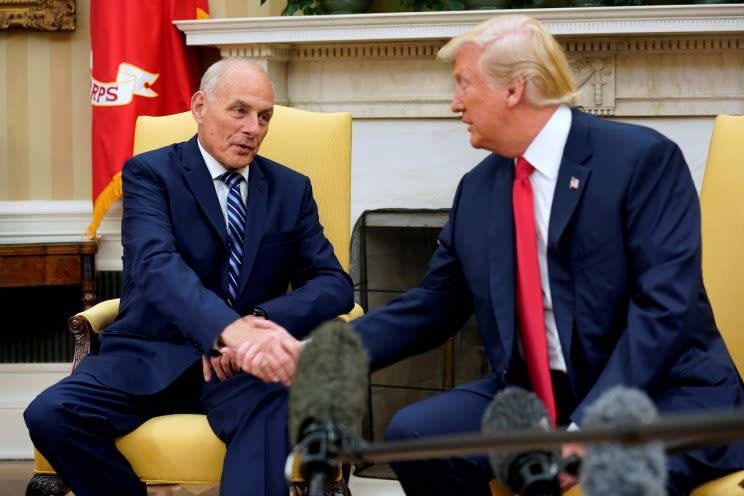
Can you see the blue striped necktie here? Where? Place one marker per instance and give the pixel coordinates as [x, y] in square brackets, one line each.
[235, 229]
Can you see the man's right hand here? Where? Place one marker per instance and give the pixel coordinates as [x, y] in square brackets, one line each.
[262, 348]
[567, 481]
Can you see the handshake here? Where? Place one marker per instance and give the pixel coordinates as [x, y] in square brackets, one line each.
[256, 346]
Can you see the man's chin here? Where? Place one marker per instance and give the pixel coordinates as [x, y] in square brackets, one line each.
[241, 161]
[475, 141]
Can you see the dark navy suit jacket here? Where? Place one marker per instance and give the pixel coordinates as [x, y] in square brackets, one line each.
[624, 267]
[175, 282]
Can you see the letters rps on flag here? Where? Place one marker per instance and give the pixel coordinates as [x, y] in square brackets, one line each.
[139, 66]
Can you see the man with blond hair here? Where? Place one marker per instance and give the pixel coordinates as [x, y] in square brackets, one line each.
[576, 243]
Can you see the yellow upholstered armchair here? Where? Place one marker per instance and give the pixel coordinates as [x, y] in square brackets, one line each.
[722, 206]
[181, 449]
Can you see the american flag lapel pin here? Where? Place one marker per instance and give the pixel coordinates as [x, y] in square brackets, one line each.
[573, 183]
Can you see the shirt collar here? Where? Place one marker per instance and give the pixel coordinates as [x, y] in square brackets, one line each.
[546, 150]
[215, 168]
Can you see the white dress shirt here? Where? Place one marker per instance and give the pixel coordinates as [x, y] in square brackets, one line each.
[545, 154]
[216, 170]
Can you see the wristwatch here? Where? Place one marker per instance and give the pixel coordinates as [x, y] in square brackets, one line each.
[259, 312]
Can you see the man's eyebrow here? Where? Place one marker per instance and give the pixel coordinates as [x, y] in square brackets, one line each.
[245, 104]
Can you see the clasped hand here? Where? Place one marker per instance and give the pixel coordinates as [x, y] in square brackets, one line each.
[256, 346]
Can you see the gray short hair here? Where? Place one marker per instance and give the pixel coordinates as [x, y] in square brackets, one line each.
[213, 76]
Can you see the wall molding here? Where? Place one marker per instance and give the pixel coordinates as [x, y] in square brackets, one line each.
[274, 52]
[428, 49]
[33, 220]
[656, 44]
[19, 385]
[402, 50]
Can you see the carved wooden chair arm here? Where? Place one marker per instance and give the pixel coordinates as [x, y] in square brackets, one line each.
[85, 325]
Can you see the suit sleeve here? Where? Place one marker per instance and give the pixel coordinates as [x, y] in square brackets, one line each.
[662, 231]
[158, 269]
[321, 290]
[423, 317]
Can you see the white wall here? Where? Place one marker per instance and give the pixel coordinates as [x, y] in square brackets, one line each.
[417, 163]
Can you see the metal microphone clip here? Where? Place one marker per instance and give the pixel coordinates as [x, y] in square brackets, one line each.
[322, 444]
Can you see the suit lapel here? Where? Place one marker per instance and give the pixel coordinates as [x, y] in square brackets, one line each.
[258, 199]
[573, 179]
[501, 250]
[201, 185]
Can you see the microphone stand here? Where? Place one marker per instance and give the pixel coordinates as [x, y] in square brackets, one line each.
[706, 430]
[321, 447]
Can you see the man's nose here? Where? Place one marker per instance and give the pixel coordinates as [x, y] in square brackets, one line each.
[456, 104]
[250, 124]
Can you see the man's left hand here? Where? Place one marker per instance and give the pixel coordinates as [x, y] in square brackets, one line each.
[223, 366]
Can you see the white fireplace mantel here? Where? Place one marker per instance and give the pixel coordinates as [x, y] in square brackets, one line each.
[629, 61]
[406, 26]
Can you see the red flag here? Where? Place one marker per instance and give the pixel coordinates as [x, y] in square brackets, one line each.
[139, 66]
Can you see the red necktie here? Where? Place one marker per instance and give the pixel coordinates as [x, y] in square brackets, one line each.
[529, 293]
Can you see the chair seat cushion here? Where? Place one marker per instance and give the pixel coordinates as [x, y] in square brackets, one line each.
[728, 485]
[723, 486]
[170, 449]
[498, 490]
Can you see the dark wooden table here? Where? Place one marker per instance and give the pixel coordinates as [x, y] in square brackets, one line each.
[55, 262]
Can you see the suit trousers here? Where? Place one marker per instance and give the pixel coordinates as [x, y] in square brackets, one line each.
[459, 411]
[74, 423]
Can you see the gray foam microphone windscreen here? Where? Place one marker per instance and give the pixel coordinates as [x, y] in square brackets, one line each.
[513, 409]
[613, 469]
[331, 380]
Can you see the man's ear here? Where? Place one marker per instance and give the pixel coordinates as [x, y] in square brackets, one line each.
[515, 91]
[198, 103]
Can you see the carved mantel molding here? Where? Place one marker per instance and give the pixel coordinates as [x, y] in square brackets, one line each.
[400, 26]
[629, 61]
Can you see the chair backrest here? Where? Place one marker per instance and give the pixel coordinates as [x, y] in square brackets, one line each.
[315, 144]
[722, 204]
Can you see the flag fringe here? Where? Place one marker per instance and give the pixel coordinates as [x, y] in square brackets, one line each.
[110, 195]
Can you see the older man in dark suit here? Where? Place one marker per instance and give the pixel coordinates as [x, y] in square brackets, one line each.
[213, 235]
[577, 245]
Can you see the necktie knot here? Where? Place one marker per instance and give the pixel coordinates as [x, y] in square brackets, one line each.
[231, 178]
[523, 169]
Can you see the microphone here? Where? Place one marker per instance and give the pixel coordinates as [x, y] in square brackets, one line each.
[327, 399]
[532, 473]
[613, 469]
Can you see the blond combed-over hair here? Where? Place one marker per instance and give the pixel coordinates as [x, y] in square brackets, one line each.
[519, 46]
